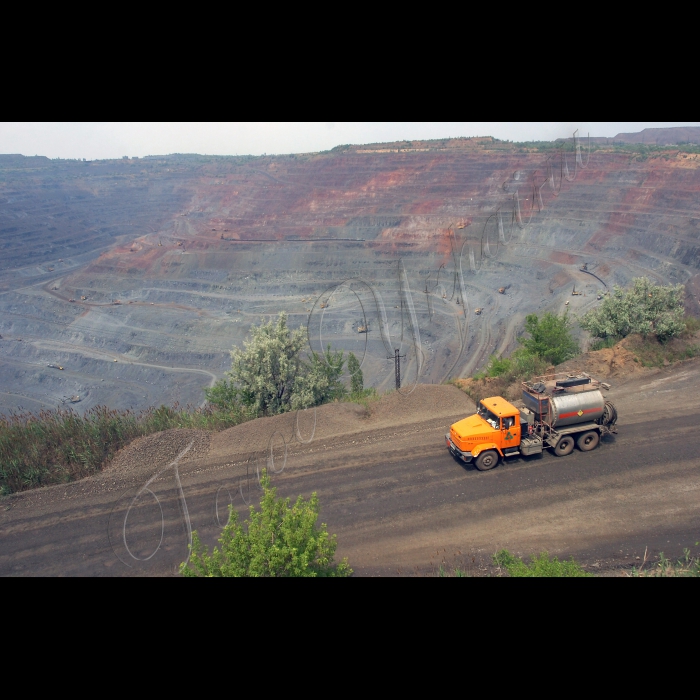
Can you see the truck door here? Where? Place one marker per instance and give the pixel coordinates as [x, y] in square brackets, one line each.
[510, 432]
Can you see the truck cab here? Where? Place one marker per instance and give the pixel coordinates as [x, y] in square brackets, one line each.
[494, 431]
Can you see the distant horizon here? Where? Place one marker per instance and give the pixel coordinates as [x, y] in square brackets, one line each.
[366, 143]
[114, 140]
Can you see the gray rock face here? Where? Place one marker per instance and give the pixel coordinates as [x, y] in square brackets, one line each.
[138, 276]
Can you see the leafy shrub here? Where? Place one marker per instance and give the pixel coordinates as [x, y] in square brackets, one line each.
[520, 365]
[357, 382]
[279, 541]
[550, 337]
[499, 366]
[646, 308]
[270, 375]
[541, 566]
[223, 395]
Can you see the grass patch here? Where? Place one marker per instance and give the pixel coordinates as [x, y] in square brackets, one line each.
[686, 567]
[692, 325]
[456, 573]
[542, 566]
[53, 447]
[364, 397]
[650, 352]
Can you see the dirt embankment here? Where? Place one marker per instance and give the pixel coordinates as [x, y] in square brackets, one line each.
[618, 361]
[315, 427]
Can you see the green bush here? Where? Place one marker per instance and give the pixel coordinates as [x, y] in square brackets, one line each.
[541, 566]
[497, 367]
[645, 308]
[526, 365]
[223, 395]
[357, 382]
[270, 375]
[550, 337]
[520, 365]
[279, 541]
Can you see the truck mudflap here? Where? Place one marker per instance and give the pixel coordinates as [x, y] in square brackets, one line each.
[456, 452]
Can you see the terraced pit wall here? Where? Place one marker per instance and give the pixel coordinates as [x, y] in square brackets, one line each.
[163, 264]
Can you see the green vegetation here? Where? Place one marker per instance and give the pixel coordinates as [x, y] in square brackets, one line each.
[279, 540]
[549, 343]
[650, 352]
[357, 382]
[550, 337]
[541, 566]
[639, 151]
[269, 376]
[655, 312]
[51, 447]
[457, 573]
[692, 325]
[222, 396]
[686, 567]
[519, 365]
[646, 308]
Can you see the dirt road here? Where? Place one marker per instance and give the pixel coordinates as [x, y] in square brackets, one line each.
[397, 500]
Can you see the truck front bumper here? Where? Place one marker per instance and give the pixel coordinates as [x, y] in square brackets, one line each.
[456, 452]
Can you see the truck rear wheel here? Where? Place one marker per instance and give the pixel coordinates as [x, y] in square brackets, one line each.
[565, 446]
[588, 441]
[487, 460]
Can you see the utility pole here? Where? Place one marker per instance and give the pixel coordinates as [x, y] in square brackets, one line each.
[397, 367]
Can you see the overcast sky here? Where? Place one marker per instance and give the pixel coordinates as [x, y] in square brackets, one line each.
[92, 140]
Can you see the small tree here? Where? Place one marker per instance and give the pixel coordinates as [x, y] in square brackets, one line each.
[266, 368]
[318, 380]
[223, 395]
[280, 540]
[357, 382]
[550, 337]
[645, 308]
[270, 376]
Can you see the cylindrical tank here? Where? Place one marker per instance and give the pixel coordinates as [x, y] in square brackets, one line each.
[570, 409]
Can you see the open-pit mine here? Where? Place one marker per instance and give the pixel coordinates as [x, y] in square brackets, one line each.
[127, 282]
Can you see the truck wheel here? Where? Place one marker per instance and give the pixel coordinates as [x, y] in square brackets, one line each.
[487, 460]
[588, 441]
[565, 446]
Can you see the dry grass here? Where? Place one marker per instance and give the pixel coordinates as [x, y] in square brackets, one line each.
[50, 447]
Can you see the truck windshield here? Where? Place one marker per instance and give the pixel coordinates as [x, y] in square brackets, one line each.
[489, 417]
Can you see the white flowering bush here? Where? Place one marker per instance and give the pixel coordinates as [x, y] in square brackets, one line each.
[645, 308]
[271, 375]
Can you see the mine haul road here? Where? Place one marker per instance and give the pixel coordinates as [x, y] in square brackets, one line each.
[398, 502]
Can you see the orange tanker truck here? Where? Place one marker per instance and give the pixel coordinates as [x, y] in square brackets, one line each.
[559, 411]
